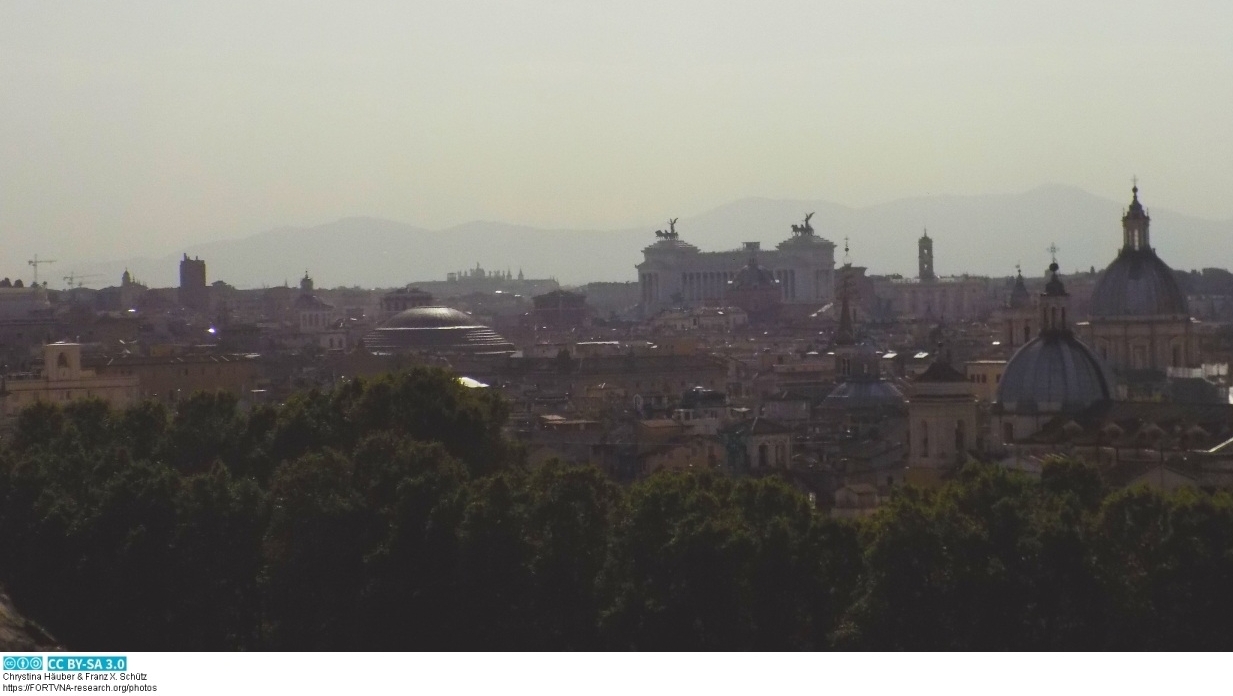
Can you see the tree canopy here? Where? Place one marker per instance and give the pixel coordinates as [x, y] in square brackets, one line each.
[392, 515]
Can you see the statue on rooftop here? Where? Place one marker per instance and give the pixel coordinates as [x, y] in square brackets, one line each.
[804, 228]
[670, 233]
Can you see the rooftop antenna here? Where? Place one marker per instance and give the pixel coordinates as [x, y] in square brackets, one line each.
[847, 259]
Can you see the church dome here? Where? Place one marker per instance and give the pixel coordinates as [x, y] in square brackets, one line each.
[436, 330]
[1137, 284]
[1053, 372]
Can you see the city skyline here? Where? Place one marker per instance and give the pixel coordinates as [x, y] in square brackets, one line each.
[982, 235]
[139, 126]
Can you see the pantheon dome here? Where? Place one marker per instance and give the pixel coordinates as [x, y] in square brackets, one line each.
[1138, 283]
[436, 330]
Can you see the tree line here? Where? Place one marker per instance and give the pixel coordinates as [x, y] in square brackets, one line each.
[392, 515]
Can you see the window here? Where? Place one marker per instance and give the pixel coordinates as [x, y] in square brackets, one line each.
[960, 436]
[1008, 432]
[1139, 357]
[763, 454]
[924, 439]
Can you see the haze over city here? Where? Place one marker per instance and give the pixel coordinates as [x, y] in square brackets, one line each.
[141, 128]
[877, 325]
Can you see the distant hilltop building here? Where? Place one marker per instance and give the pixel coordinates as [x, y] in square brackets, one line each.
[677, 273]
[479, 280]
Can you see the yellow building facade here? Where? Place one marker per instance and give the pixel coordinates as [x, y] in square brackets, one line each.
[63, 380]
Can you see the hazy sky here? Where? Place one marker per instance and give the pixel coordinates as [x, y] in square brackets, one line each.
[139, 127]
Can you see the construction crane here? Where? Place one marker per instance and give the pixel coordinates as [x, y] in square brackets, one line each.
[36, 262]
[76, 280]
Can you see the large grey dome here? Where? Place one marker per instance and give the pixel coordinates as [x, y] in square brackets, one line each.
[435, 330]
[1137, 284]
[430, 317]
[1053, 372]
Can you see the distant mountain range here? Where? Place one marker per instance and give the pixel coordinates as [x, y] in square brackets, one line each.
[986, 234]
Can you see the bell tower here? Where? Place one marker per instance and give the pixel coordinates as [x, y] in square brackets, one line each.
[924, 257]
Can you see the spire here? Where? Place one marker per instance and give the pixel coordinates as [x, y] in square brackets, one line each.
[845, 335]
[1019, 297]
